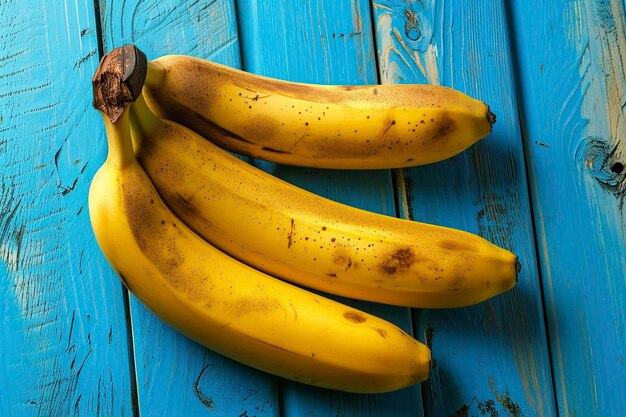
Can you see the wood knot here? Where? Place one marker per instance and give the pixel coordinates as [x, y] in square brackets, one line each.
[604, 162]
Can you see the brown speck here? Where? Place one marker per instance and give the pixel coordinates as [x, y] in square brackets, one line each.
[457, 246]
[381, 332]
[445, 126]
[355, 316]
[391, 123]
[401, 259]
[332, 274]
[455, 283]
[290, 234]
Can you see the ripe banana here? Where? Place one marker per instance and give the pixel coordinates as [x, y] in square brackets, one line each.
[347, 127]
[304, 238]
[230, 307]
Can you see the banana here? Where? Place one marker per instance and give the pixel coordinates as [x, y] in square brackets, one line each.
[347, 127]
[220, 302]
[293, 234]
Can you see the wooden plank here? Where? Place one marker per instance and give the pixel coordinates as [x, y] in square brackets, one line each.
[327, 42]
[63, 336]
[492, 359]
[175, 375]
[572, 56]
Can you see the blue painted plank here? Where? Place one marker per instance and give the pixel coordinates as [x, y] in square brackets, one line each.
[572, 80]
[175, 375]
[63, 336]
[491, 358]
[326, 42]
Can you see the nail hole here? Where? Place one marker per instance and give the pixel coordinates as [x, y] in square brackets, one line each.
[414, 33]
[617, 168]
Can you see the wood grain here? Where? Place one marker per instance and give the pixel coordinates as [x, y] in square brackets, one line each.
[571, 60]
[491, 358]
[323, 41]
[175, 375]
[63, 336]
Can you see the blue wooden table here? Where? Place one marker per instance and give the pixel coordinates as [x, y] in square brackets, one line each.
[549, 183]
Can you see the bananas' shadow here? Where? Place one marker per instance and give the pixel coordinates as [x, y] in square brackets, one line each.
[487, 181]
[483, 351]
[307, 400]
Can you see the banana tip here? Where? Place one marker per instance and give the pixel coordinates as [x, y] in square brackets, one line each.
[491, 117]
[518, 269]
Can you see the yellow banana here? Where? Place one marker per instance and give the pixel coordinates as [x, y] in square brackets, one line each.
[220, 302]
[307, 239]
[348, 127]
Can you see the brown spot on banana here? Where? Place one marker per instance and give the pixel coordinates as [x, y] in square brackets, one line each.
[355, 316]
[342, 258]
[381, 332]
[400, 260]
[456, 283]
[457, 246]
[253, 305]
[290, 234]
[185, 203]
[143, 217]
[390, 123]
[445, 126]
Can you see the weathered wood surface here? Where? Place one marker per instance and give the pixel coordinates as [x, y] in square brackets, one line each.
[572, 83]
[63, 335]
[74, 342]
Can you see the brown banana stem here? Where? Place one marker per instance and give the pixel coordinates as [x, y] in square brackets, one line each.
[118, 80]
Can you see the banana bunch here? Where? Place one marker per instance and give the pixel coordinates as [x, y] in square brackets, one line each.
[213, 245]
